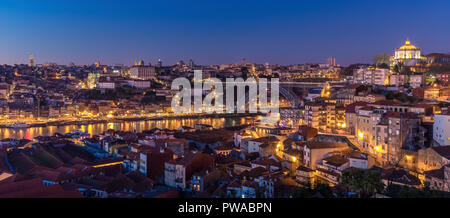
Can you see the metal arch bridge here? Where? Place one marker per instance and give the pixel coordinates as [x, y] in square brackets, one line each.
[286, 91]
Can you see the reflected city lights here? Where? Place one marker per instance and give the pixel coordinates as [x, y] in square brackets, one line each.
[97, 129]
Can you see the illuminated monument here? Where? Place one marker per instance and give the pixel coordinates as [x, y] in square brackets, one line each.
[409, 55]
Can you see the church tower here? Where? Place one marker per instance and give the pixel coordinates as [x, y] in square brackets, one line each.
[31, 60]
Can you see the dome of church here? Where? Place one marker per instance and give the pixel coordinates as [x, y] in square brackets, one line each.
[408, 46]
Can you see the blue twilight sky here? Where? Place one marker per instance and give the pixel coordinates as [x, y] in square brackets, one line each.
[218, 31]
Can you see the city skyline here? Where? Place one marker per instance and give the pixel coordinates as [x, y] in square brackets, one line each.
[214, 33]
[224, 100]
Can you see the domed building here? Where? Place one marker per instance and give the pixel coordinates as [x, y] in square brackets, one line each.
[408, 54]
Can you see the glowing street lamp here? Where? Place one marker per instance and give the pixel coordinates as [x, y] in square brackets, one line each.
[408, 157]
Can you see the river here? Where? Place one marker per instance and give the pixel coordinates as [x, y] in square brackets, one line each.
[138, 126]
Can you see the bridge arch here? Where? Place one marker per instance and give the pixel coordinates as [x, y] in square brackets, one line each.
[285, 89]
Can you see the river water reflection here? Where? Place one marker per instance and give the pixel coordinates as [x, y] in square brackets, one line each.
[138, 126]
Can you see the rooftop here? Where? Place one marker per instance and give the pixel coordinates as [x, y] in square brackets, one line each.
[444, 151]
[408, 46]
[323, 145]
[351, 108]
[336, 160]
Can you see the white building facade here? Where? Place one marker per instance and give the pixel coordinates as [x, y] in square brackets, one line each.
[441, 129]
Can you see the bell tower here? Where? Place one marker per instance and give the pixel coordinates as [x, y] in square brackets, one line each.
[31, 60]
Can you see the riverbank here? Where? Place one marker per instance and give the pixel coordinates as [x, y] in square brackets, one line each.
[98, 127]
[137, 119]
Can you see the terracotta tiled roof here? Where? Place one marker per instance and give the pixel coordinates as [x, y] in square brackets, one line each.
[173, 193]
[438, 173]
[258, 171]
[438, 55]
[444, 151]
[267, 139]
[53, 191]
[21, 186]
[351, 108]
[400, 176]
[119, 183]
[266, 162]
[244, 163]
[305, 169]
[336, 160]
[387, 102]
[308, 132]
[321, 145]
[367, 108]
[408, 115]
[223, 148]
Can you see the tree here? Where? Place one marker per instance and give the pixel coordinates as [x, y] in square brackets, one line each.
[324, 190]
[372, 183]
[348, 71]
[410, 192]
[399, 68]
[364, 182]
[320, 189]
[383, 66]
[303, 192]
[381, 60]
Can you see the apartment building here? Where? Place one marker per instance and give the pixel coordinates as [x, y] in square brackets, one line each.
[391, 137]
[441, 132]
[324, 116]
[177, 171]
[371, 75]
